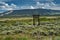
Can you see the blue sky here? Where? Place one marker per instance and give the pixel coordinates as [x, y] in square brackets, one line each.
[57, 1]
[29, 4]
[24, 2]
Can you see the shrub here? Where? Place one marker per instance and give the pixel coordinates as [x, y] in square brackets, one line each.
[8, 38]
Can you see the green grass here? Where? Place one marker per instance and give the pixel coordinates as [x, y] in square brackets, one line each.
[11, 29]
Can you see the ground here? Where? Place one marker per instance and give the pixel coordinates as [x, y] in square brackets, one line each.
[23, 28]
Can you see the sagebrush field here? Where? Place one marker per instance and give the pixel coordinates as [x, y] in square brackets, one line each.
[23, 28]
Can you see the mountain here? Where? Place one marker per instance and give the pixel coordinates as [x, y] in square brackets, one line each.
[30, 12]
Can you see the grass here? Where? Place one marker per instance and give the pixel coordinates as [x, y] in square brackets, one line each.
[10, 29]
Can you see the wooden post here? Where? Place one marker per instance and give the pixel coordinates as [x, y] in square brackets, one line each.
[36, 19]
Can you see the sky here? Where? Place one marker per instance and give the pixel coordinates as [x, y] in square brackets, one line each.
[28, 4]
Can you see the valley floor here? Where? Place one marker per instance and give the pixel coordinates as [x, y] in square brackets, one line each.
[23, 28]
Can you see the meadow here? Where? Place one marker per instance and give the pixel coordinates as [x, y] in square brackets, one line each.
[23, 28]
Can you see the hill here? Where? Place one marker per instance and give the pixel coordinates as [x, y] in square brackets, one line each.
[30, 12]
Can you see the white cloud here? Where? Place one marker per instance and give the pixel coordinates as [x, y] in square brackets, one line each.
[49, 0]
[42, 5]
[53, 3]
[32, 7]
[5, 6]
[55, 8]
[47, 5]
[6, 0]
[43, 0]
[27, 7]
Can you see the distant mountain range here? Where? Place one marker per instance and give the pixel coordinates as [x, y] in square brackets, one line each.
[30, 12]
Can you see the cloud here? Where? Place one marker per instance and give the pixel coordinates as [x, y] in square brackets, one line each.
[42, 5]
[55, 8]
[36, 0]
[50, 0]
[50, 5]
[6, 0]
[5, 6]
[45, 5]
[32, 7]
[27, 7]
[43, 0]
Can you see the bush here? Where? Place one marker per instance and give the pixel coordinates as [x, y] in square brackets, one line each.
[8, 38]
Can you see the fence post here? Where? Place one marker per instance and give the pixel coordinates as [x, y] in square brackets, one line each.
[36, 19]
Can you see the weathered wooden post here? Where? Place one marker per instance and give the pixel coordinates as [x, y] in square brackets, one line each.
[36, 20]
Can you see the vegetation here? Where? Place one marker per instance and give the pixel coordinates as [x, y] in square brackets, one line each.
[23, 29]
